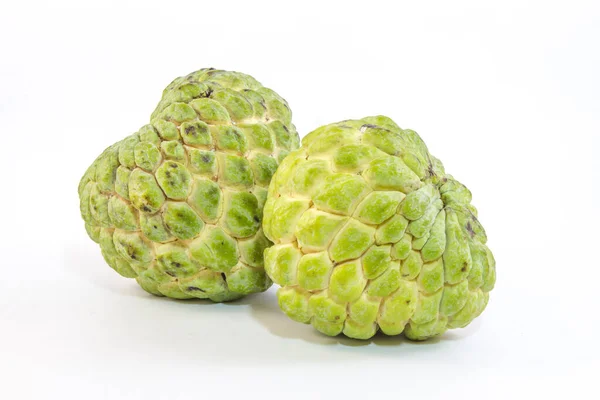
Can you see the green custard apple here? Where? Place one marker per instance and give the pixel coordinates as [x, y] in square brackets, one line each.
[178, 204]
[370, 233]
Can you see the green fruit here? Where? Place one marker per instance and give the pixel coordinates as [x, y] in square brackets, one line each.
[370, 233]
[178, 205]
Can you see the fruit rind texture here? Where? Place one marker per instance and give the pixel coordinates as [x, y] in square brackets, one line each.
[178, 204]
[371, 234]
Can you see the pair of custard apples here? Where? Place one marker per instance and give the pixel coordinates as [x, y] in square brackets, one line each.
[358, 224]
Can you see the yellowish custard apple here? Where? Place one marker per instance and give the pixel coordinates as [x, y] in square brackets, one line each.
[178, 204]
[370, 233]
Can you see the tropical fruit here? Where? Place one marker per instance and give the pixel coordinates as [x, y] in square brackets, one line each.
[370, 233]
[178, 204]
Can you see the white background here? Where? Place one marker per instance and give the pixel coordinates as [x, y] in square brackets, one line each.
[505, 93]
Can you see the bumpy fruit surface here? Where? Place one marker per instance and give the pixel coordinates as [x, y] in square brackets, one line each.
[178, 205]
[370, 233]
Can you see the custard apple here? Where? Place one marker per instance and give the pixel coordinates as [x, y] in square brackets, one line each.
[370, 233]
[178, 204]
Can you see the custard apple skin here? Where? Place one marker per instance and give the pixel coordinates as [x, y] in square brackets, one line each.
[178, 204]
[370, 233]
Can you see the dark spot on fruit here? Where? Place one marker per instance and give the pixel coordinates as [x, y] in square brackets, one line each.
[130, 250]
[173, 165]
[177, 265]
[464, 267]
[223, 276]
[190, 129]
[430, 170]
[407, 301]
[205, 158]
[369, 126]
[256, 219]
[146, 209]
[170, 273]
[194, 289]
[337, 317]
[469, 228]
